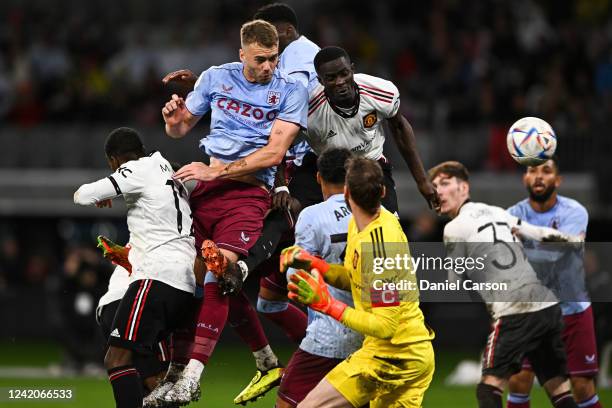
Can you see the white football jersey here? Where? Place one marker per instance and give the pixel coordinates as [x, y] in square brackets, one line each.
[482, 230]
[363, 133]
[159, 219]
[117, 286]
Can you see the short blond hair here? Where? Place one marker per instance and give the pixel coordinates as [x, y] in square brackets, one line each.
[260, 32]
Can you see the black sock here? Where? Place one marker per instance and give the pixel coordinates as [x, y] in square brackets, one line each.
[489, 396]
[564, 400]
[275, 225]
[127, 386]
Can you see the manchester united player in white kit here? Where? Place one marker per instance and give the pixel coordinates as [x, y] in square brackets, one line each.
[348, 110]
[160, 297]
[527, 316]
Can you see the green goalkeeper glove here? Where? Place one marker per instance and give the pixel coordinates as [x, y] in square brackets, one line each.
[311, 290]
[298, 258]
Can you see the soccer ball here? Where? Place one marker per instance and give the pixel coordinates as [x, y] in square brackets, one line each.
[531, 141]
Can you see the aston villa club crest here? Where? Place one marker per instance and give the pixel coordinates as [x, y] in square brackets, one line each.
[273, 97]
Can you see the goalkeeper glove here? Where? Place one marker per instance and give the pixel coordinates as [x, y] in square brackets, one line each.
[115, 253]
[311, 290]
[297, 257]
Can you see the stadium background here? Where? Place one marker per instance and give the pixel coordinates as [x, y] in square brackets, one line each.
[71, 71]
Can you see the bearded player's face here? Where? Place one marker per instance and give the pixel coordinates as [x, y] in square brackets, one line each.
[542, 181]
[259, 62]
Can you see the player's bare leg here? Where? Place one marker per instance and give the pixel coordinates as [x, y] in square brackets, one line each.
[277, 308]
[519, 388]
[324, 395]
[269, 370]
[584, 391]
[559, 392]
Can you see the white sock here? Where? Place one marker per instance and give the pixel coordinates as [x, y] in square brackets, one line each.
[265, 358]
[194, 369]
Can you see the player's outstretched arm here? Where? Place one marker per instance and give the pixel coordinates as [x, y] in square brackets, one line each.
[179, 121]
[545, 234]
[338, 277]
[268, 156]
[405, 139]
[311, 290]
[281, 137]
[95, 193]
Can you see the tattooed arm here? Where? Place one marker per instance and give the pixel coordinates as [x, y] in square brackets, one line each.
[282, 135]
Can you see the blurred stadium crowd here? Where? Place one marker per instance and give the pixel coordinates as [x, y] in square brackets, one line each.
[460, 65]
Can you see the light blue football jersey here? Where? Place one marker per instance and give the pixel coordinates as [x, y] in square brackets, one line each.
[322, 229]
[297, 61]
[567, 216]
[242, 112]
[298, 58]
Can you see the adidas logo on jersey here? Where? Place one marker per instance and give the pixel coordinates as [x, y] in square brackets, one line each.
[330, 134]
[115, 333]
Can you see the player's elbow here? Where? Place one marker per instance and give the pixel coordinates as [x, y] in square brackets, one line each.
[386, 333]
[274, 157]
[277, 159]
[385, 327]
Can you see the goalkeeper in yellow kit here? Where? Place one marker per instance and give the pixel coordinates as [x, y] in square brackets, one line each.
[395, 365]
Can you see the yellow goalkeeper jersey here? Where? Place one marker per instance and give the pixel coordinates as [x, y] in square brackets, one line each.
[376, 258]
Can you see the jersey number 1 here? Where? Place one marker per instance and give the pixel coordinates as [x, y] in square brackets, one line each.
[179, 214]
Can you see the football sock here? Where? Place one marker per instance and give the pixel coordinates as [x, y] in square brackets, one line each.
[563, 400]
[194, 369]
[127, 386]
[288, 317]
[275, 225]
[489, 396]
[518, 401]
[265, 359]
[243, 318]
[592, 402]
[182, 345]
[212, 318]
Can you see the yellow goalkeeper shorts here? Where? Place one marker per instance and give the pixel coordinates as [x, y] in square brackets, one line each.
[363, 377]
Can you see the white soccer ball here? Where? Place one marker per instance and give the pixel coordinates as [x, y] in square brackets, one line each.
[531, 141]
